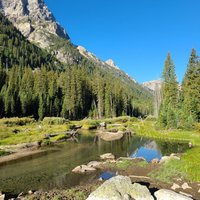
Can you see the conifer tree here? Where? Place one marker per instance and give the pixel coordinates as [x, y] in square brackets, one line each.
[190, 89]
[168, 110]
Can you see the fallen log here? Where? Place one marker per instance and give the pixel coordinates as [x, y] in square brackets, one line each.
[71, 133]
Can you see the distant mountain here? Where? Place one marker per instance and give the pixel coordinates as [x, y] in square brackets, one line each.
[153, 85]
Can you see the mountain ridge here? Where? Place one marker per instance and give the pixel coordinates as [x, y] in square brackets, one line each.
[37, 23]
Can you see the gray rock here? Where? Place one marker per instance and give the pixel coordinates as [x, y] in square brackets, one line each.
[140, 192]
[120, 188]
[83, 169]
[113, 189]
[127, 197]
[164, 194]
[107, 156]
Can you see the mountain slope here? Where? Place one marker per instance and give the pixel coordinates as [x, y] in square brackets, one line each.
[15, 50]
[39, 26]
[83, 86]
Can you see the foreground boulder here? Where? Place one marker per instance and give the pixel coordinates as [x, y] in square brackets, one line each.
[120, 188]
[107, 156]
[83, 169]
[164, 194]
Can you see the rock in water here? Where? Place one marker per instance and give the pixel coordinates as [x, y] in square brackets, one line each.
[107, 156]
[120, 188]
[83, 169]
[164, 194]
[94, 164]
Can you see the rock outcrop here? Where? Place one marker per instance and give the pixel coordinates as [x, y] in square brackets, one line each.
[34, 20]
[31, 17]
[111, 63]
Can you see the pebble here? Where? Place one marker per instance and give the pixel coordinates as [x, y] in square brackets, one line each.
[175, 186]
[30, 192]
[186, 186]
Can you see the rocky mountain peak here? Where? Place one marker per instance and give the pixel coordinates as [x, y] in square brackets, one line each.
[30, 17]
[111, 63]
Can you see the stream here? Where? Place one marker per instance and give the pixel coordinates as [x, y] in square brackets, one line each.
[52, 169]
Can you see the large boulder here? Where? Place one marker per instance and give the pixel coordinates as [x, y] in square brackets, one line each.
[120, 188]
[164, 194]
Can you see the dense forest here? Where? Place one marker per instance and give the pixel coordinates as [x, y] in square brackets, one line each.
[180, 106]
[34, 83]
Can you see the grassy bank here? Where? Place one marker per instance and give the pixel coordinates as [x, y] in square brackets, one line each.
[188, 167]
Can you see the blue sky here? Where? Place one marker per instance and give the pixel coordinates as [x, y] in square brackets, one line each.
[136, 34]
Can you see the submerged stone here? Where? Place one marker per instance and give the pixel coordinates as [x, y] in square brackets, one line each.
[83, 169]
[107, 156]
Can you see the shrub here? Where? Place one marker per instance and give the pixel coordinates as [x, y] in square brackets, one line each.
[55, 121]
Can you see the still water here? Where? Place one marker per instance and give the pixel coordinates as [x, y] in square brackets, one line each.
[53, 168]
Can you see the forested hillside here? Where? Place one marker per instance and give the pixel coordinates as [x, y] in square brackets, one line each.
[34, 83]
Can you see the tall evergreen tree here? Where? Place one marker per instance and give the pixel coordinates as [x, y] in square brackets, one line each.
[190, 88]
[168, 110]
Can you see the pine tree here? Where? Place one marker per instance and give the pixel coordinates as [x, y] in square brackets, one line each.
[190, 88]
[169, 106]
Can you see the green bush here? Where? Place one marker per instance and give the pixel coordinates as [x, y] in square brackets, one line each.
[55, 121]
[122, 119]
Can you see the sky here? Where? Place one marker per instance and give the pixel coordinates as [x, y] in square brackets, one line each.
[136, 34]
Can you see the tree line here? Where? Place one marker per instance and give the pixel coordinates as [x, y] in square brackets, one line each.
[71, 94]
[180, 107]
